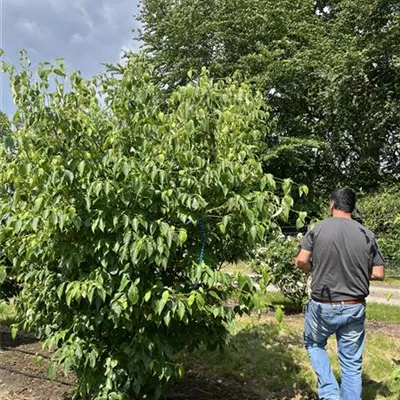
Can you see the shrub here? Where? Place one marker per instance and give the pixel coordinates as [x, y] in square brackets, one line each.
[277, 260]
[380, 212]
[120, 208]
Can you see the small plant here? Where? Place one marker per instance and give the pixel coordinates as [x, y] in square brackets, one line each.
[276, 259]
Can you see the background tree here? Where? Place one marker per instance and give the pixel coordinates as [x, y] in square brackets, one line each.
[329, 69]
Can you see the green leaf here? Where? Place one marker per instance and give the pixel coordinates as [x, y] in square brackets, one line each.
[9, 142]
[195, 204]
[107, 188]
[126, 169]
[167, 318]
[287, 186]
[279, 314]
[169, 238]
[59, 72]
[263, 183]
[191, 299]
[3, 274]
[165, 296]
[163, 301]
[181, 310]
[182, 235]
[147, 296]
[250, 215]
[303, 189]
[60, 290]
[224, 224]
[35, 223]
[133, 294]
[88, 203]
[200, 301]
[51, 372]
[301, 220]
[271, 181]
[222, 228]
[125, 220]
[97, 188]
[253, 232]
[81, 167]
[124, 283]
[69, 175]
[38, 203]
[14, 331]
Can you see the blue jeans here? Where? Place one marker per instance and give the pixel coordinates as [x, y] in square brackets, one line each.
[347, 322]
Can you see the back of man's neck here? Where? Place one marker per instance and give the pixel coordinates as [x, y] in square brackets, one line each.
[341, 214]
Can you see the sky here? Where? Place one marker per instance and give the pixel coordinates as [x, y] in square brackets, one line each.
[83, 32]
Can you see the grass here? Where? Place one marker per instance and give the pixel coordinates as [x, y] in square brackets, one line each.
[270, 358]
[389, 281]
[375, 311]
[383, 312]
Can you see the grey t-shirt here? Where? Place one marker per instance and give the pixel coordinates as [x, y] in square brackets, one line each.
[343, 254]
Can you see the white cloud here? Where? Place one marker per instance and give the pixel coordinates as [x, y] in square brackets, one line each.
[108, 13]
[31, 28]
[77, 38]
[58, 5]
[78, 4]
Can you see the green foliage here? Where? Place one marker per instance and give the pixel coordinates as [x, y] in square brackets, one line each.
[103, 191]
[381, 213]
[5, 125]
[329, 69]
[395, 380]
[276, 260]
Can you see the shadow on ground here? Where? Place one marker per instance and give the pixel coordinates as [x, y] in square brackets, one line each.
[260, 361]
[6, 341]
[373, 389]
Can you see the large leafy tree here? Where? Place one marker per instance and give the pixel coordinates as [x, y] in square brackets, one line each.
[329, 69]
[121, 205]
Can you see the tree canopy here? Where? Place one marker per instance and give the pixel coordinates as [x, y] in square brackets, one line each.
[329, 69]
[118, 208]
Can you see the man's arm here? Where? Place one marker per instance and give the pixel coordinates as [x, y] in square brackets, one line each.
[377, 273]
[303, 260]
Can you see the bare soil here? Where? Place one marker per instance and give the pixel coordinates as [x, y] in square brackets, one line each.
[23, 371]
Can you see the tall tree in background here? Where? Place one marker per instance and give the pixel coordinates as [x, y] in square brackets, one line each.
[329, 69]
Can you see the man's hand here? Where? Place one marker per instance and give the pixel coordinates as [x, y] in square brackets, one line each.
[378, 273]
[303, 260]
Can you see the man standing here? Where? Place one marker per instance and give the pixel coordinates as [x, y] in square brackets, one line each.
[343, 256]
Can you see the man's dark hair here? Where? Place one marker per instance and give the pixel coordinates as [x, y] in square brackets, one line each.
[344, 199]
